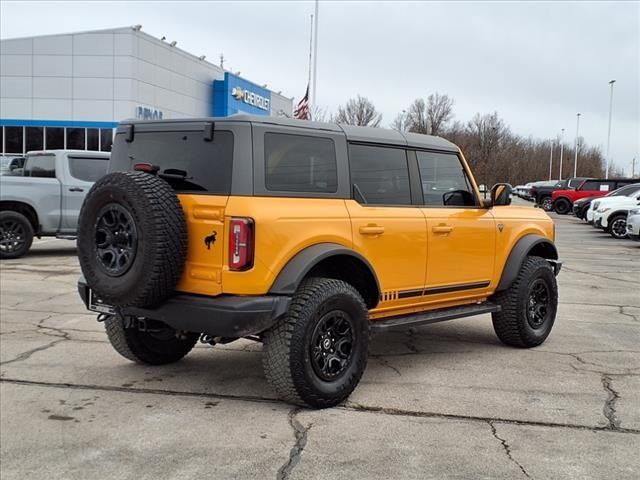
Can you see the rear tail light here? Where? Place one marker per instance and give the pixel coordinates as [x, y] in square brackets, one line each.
[241, 243]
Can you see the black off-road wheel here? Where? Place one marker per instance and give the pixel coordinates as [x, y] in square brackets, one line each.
[562, 206]
[617, 226]
[160, 345]
[132, 239]
[316, 354]
[529, 306]
[16, 234]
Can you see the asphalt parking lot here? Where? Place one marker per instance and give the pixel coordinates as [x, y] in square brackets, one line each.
[443, 401]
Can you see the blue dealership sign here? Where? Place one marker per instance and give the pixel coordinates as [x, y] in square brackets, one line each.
[237, 95]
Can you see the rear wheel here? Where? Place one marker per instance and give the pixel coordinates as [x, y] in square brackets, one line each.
[316, 354]
[157, 344]
[16, 234]
[546, 204]
[562, 206]
[529, 306]
[618, 226]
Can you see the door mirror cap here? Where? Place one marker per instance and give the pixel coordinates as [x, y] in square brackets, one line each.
[501, 194]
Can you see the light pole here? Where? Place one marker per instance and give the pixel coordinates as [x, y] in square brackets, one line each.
[561, 152]
[551, 159]
[606, 173]
[575, 158]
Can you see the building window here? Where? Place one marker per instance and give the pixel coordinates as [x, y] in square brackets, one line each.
[13, 140]
[54, 138]
[35, 138]
[75, 138]
[106, 139]
[2, 139]
[92, 138]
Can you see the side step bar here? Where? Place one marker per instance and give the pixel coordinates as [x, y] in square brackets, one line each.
[434, 316]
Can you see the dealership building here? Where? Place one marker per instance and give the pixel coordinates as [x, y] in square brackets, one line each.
[70, 91]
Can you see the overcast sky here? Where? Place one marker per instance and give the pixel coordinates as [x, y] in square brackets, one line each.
[537, 64]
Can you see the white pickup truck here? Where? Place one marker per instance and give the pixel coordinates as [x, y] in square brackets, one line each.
[43, 199]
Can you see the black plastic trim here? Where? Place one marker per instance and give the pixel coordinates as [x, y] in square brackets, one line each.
[221, 316]
[518, 255]
[432, 316]
[287, 281]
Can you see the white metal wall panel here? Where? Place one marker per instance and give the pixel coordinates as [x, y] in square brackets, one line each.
[93, 44]
[15, 107]
[93, 88]
[52, 65]
[52, 87]
[19, 46]
[15, 65]
[16, 87]
[51, 109]
[93, 66]
[53, 45]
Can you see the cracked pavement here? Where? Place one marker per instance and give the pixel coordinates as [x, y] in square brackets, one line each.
[439, 401]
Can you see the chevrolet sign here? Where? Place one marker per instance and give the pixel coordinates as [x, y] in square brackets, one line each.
[250, 98]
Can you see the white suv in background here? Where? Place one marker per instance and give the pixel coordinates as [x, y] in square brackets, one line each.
[611, 214]
[633, 224]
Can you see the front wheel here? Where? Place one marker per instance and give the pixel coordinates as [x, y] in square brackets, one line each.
[547, 204]
[155, 344]
[529, 306]
[16, 234]
[315, 355]
[618, 226]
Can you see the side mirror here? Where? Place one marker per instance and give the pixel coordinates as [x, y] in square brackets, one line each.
[501, 194]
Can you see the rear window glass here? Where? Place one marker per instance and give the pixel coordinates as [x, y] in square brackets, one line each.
[43, 166]
[88, 169]
[184, 159]
[300, 163]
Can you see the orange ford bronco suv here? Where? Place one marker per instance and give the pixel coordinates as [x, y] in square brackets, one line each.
[306, 237]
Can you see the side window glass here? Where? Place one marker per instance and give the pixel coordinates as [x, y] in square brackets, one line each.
[379, 175]
[88, 169]
[300, 163]
[444, 181]
[40, 166]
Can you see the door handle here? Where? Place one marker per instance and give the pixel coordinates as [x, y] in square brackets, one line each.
[442, 229]
[372, 230]
[76, 189]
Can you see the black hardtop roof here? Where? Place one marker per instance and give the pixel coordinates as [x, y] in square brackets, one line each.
[353, 133]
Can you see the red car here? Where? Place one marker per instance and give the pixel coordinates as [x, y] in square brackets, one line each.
[563, 199]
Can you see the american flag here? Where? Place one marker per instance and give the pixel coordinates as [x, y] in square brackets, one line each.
[302, 109]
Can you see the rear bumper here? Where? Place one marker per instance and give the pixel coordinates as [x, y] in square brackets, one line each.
[222, 316]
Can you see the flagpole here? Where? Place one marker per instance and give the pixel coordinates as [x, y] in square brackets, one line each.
[310, 48]
[315, 56]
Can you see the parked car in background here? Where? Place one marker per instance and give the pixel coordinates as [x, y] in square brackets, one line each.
[542, 193]
[45, 199]
[11, 165]
[612, 212]
[563, 199]
[586, 207]
[633, 224]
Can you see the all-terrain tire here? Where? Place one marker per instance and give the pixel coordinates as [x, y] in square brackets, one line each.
[16, 234]
[512, 324]
[160, 248]
[287, 352]
[562, 206]
[617, 226]
[148, 348]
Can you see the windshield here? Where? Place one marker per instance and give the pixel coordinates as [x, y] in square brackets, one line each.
[184, 159]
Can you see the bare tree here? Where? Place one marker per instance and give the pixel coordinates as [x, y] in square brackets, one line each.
[400, 122]
[439, 112]
[319, 114]
[359, 111]
[417, 120]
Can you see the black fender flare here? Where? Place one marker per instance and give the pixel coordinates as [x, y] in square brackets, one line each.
[519, 253]
[287, 281]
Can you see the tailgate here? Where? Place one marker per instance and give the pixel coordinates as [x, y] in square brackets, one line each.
[206, 244]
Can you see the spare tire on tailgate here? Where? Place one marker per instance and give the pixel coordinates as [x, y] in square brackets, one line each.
[132, 239]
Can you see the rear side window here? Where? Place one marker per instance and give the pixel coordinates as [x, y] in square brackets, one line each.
[185, 159]
[300, 163]
[598, 186]
[380, 174]
[40, 166]
[88, 169]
